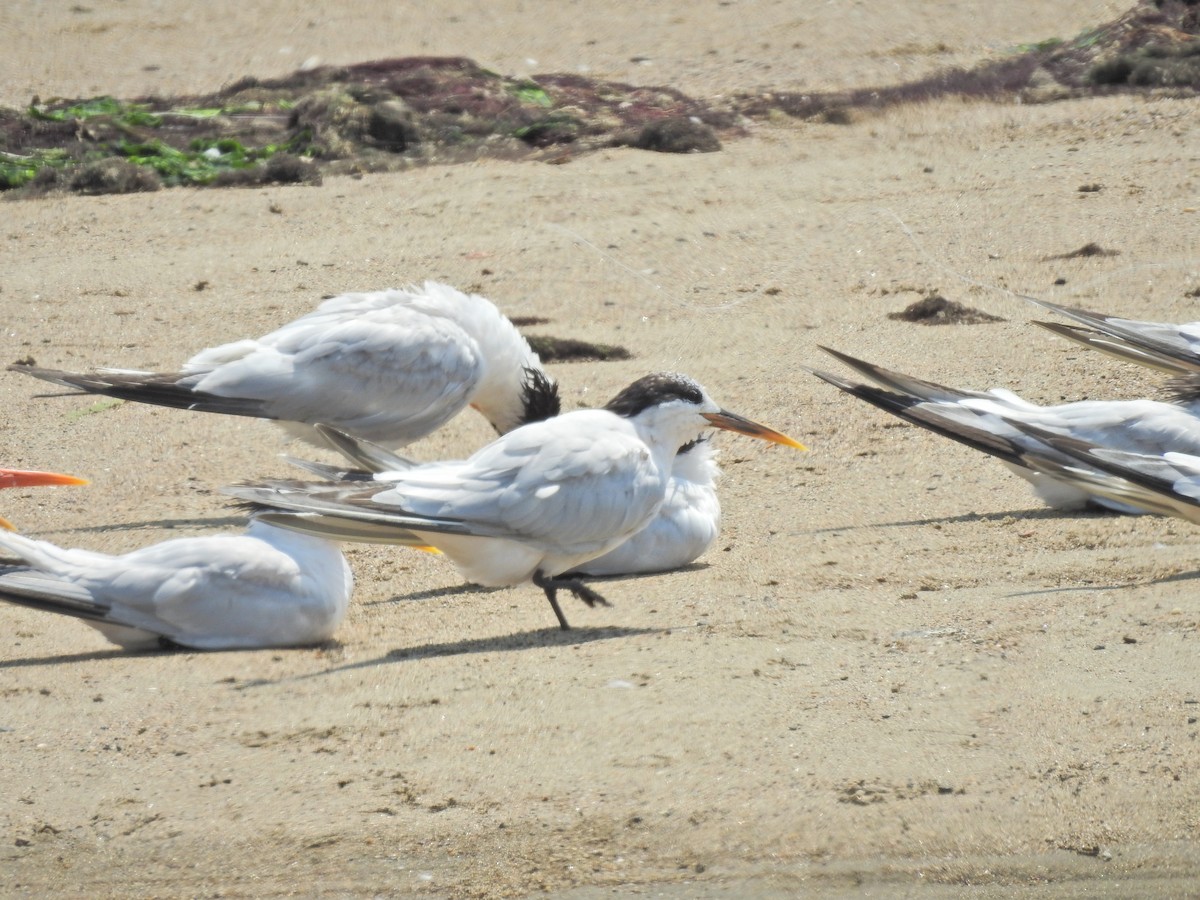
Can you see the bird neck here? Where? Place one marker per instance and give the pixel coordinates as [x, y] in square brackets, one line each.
[665, 429]
[504, 393]
[696, 462]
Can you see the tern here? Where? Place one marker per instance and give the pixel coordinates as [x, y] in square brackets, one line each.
[266, 588]
[534, 504]
[686, 525]
[985, 421]
[390, 366]
[16, 478]
[1174, 349]
[1166, 483]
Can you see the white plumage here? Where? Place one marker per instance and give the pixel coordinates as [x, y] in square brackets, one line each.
[532, 505]
[266, 588]
[987, 422]
[686, 525]
[389, 366]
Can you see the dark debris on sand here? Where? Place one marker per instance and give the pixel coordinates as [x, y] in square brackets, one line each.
[1155, 45]
[395, 113]
[552, 349]
[935, 309]
[1089, 249]
[374, 116]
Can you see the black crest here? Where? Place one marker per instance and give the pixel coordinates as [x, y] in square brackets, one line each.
[539, 393]
[654, 390]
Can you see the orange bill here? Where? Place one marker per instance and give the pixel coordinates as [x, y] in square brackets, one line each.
[12, 478]
[733, 422]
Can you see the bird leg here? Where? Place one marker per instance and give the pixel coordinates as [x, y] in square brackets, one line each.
[551, 585]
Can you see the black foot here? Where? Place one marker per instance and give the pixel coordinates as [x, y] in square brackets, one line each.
[575, 586]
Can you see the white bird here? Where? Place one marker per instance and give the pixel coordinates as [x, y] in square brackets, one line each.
[1167, 483]
[17, 478]
[684, 528]
[534, 504]
[266, 588]
[1160, 345]
[389, 366]
[985, 421]
[686, 525]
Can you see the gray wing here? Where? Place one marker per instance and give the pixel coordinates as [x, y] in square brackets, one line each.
[37, 590]
[1167, 484]
[1160, 345]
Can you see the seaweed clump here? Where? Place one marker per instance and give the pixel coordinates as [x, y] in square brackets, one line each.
[935, 309]
[373, 116]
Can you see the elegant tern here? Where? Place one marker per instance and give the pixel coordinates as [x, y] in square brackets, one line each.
[390, 366]
[985, 421]
[536, 503]
[1166, 483]
[686, 524]
[266, 588]
[1174, 349]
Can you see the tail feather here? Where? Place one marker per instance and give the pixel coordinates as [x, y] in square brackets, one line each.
[904, 384]
[36, 590]
[916, 411]
[369, 456]
[1159, 342]
[350, 502]
[337, 529]
[1122, 349]
[329, 473]
[149, 387]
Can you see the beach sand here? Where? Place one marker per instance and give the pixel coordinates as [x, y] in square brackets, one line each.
[895, 674]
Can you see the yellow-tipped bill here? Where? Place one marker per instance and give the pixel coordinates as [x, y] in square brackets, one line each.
[7, 525]
[740, 424]
[12, 478]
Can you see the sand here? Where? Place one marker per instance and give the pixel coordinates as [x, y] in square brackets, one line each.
[894, 675]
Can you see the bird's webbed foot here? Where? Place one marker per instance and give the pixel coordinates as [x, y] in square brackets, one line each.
[551, 586]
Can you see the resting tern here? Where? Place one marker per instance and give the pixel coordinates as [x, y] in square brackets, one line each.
[985, 421]
[1160, 345]
[266, 588]
[390, 366]
[1166, 483]
[15, 478]
[686, 524]
[534, 504]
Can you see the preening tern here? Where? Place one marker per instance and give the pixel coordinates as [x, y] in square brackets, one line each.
[389, 366]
